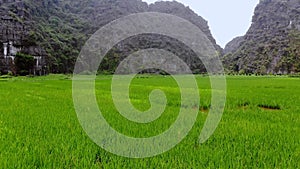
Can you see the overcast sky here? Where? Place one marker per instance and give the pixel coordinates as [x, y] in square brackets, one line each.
[227, 19]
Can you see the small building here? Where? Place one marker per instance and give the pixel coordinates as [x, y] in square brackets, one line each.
[8, 56]
[39, 55]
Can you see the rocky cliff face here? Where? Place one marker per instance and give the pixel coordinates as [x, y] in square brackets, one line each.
[15, 29]
[233, 45]
[61, 27]
[133, 44]
[272, 43]
[14, 22]
[180, 10]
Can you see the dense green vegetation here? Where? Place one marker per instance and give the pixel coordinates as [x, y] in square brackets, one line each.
[260, 127]
[60, 32]
[24, 64]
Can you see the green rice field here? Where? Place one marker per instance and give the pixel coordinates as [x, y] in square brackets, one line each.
[260, 127]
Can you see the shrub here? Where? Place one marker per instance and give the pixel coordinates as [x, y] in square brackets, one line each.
[24, 64]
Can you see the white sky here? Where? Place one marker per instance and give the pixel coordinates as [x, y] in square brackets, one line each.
[227, 19]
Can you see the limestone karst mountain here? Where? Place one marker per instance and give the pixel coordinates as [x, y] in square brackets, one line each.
[272, 44]
[55, 30]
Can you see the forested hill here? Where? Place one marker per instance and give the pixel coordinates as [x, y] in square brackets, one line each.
[272, 44]
[61, 27]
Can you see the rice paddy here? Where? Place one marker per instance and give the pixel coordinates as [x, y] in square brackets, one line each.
[260, 127]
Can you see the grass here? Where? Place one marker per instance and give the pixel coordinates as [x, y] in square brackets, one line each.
[260, 127]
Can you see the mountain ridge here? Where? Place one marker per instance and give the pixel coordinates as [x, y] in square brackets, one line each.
[58, 29]
[61, 27]
[272, 43]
